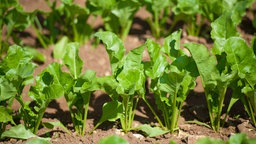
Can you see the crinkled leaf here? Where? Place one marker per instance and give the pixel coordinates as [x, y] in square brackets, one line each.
[171, 46]
[133, 59]
[18, 61]
[5, 115]
[151, 131]
[222, 29]
[177, 84]
[131, 81]
[51, 125]
[188, 7]
[86, 82]
[125, 11]
[72, 59]
[7, 89]
[48, 84]
[186, 63]
[157, 63]
[206, 64]
[114, 47]
[113, 140]
[242, 59]
[60, 48]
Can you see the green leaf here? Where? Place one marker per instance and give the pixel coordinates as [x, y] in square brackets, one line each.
[114, 46]
[125, 11]
[7, 89]
[157, 63]
[8, 3]
[131, 78]
[151, 131]
[18, 19]
[48, 86]
[171, 46]
[38, 141]
[206, 64]
[60, 48]
[241, 58]
[18, 132]
[113, 140]
[111, 111]
[5, 115]
[72, 59]
[222, 29]
[37, 56]
[51, 125]
[134, 58]
[107, 84]
[207, 140]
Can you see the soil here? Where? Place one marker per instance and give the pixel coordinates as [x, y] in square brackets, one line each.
[96, 59]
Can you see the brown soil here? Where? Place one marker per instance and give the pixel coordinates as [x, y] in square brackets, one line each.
[97, 59]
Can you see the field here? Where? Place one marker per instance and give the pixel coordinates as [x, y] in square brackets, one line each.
[194, 121]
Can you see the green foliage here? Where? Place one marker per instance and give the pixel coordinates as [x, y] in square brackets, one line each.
[160, 12]
[128, 79]
[113, 140]
[151, 131]
[71, 20]
[239, 138]
[14, 18]
[20, 132]
[77, 86]
[170, 82]
[241, 59]
[117, 15]
[215, 80]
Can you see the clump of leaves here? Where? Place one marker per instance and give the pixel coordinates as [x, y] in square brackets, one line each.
[16, 71]
[170, 82]
[78, 87]
[117, 15]
[160, 12]
[14, 18]
[68, 19]
[127, 83]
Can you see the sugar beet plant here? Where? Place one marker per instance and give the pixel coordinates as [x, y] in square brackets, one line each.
[16, 71]
[170, 82]
[68, 19]
[241, 58]
[77, 86]
[126, 84]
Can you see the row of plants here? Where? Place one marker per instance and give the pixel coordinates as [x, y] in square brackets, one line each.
[234, 139]
[170, 71]
[71, 20]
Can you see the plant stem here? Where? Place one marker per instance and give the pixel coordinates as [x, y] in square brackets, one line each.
[174, 114]
[86, 100]
[40, 116]
[39, 35]
[154, 113]
[156, 24]
[222, 97]
[125, 30]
